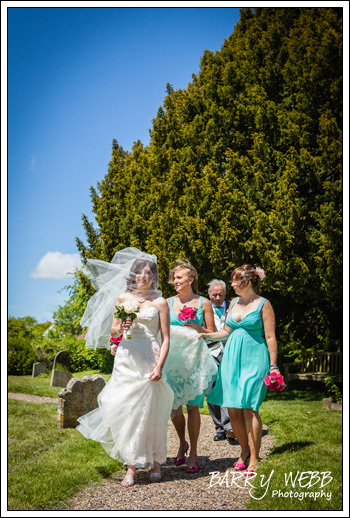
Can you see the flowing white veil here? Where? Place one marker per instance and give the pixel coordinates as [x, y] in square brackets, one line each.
[111, 280]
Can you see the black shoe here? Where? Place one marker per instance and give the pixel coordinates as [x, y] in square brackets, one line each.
[220, 436]
[231, 437]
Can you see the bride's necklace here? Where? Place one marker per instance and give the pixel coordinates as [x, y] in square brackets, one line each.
[142, 300]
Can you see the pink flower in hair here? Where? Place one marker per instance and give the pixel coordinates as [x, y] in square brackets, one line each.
[260, 272]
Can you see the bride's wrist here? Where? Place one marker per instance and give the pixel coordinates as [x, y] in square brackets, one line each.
[116, 329]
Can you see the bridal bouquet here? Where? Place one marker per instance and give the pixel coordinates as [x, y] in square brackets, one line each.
[275, 382]
[187, 313]
[127, 310]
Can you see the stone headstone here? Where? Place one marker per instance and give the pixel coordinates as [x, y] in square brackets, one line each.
[336, 406]
[60, 377]
[62, 358]
[77, 399]
[38, 368]
[326, 402]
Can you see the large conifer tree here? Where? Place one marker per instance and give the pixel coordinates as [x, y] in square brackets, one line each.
[245, 165]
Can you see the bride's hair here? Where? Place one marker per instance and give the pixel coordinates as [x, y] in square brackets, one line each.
[136, 267]
[191, 272]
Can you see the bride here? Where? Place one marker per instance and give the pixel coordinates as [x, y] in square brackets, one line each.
[135, 405]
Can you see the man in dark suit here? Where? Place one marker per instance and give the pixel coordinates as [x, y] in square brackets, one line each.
[217, 294]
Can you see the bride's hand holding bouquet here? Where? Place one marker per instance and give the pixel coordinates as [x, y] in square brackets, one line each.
[127, 312]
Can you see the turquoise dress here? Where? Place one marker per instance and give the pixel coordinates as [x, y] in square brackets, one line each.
[244, 364]
[190, 369]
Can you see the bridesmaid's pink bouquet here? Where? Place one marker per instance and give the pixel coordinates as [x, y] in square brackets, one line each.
[116, 341]
[187, 313]
[275, 382]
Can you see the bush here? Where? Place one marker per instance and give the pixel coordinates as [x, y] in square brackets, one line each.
[333, 390]
[81, 359]
[21, 356]
[85, 359]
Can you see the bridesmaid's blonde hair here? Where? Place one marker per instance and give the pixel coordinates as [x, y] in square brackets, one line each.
[191, 272]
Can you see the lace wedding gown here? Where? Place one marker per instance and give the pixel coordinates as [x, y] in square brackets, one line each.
[132, 417]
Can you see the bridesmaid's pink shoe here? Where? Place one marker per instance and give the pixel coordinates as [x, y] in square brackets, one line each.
[241, 466]
[178, 461]
[192, 469]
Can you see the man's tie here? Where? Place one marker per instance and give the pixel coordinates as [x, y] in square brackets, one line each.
[219, 311]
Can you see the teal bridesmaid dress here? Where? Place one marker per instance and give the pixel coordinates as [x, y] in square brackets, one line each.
[244, 364]
[189, 368]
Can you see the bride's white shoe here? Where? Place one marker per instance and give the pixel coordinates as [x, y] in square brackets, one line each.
[127, 482]
[155, 477]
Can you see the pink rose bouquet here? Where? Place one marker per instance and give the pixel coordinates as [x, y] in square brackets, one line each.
[187, 313]
[275, 382]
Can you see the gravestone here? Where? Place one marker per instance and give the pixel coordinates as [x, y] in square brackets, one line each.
[329, 404]
[60, 377]
[38, 368]
[77, 399]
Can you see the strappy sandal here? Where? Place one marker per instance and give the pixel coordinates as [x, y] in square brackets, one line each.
[250, 472]
[178, 461]
[127, 482]
[241, 466]
[155, 477]
[192, 469]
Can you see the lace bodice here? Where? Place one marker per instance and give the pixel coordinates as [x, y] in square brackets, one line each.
[146, 323]
[142, 349]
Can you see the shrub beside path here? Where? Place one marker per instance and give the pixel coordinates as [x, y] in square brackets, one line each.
[177, 490]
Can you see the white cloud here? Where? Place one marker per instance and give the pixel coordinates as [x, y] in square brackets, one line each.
[55, 265]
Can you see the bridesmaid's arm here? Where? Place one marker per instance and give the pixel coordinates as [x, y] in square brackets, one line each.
[217, 336]
[268, 317]
[164, 319]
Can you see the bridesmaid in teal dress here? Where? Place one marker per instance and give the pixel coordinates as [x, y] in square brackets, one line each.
[189, 368]
[250, 355]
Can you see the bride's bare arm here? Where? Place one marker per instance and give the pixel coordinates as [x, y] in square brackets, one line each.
[118, 326]
[164, 320]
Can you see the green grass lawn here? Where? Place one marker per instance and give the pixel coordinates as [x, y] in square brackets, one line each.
[48, 465]
[308, 439]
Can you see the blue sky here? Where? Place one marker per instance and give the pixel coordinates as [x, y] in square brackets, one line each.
[78, 78]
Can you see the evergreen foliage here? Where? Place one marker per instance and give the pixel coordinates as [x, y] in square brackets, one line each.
[245, 165]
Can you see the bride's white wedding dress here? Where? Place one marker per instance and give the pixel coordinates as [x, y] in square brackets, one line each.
[132, 417]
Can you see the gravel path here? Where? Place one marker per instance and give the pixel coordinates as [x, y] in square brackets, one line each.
[32, 399]
[177, 490]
